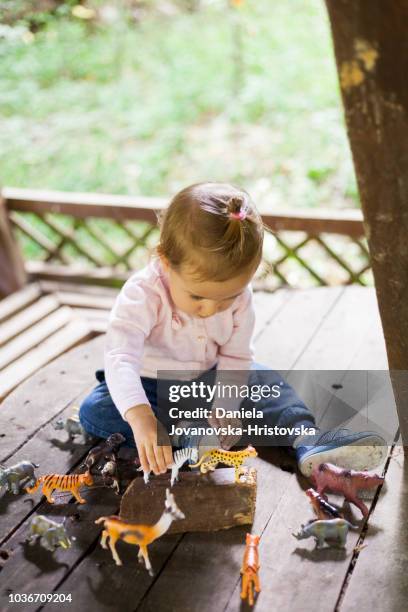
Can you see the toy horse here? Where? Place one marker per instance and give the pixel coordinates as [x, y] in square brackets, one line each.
[348, 482]
[249, 569]
[141, 535]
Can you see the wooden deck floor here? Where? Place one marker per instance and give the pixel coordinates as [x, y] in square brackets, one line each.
[318, 329]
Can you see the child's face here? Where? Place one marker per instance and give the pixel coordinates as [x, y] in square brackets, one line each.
[204, 298]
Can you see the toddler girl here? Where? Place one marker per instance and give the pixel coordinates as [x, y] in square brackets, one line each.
[191, 310]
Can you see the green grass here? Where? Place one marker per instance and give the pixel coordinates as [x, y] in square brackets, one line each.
[148, 108]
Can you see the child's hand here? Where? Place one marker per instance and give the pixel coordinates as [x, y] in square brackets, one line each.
[146, 431]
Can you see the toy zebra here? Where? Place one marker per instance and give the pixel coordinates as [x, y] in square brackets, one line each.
[179, 457]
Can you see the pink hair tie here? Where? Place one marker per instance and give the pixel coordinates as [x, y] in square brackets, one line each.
[240, 216]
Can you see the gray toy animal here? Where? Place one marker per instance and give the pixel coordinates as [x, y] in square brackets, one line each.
[18, 476]
[334, 529]
[73, 427]
[51, 534]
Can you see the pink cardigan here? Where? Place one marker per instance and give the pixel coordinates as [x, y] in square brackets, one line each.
[147, 333]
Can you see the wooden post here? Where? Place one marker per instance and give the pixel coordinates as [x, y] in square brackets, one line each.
[370, 42]
[12, 274]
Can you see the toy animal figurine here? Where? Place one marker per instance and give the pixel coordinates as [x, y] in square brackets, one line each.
[19, 475]
[348, 482]
[146, 475]
[179, 458]
[51, 534]
[141, 535]
[69, 482]
[321, 506]
[210, 460]
[249, 569]
[107, 450]
[110, 475]
[73, 427]
[321, 531]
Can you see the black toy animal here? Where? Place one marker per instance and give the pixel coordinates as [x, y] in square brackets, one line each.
[106, 451]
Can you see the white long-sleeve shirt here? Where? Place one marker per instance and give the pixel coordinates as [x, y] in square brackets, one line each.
[147, 334]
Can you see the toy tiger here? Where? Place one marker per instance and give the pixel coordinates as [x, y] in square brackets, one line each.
[66, 482]
[212, 458]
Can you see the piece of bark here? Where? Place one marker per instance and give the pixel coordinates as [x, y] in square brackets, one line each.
[210, 502]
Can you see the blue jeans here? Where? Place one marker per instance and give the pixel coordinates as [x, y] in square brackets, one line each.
[100, 417]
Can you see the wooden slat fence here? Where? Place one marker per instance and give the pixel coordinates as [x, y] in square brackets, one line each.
[99, 237]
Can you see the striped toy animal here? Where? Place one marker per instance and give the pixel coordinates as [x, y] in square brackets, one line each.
[180, 457]
[65, 482]
[210, 460]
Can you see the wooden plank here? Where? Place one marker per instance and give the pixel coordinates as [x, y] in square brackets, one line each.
[316, 221]
[42, 397]
[19, 300]
[64, 339]
[342, 333]
[85, 301]
[54, 453]
[97, 320]
[378, 580]
[267, 306]
[290, 570]
[25, 319]
[31, 569]
[76, 273]
[12, 274]
[121, 207]
[83, 205]
[54, 286]
[34, 336]
[350, 327]
[290, 332]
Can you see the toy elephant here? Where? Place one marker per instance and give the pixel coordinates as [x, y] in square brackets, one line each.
[17, 476]
[51, 534]
[321, 531]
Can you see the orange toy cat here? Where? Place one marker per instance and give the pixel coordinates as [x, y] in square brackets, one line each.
[249, 569]
[66, 482]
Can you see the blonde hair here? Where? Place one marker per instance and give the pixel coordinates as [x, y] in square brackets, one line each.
[213, 229]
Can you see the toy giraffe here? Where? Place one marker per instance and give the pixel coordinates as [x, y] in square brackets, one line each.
[141, 535]
[249, 569]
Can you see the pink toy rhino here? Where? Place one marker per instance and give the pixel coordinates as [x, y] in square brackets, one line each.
[348, 482]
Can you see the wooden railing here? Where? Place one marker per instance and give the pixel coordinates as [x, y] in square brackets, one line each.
[84, 236]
